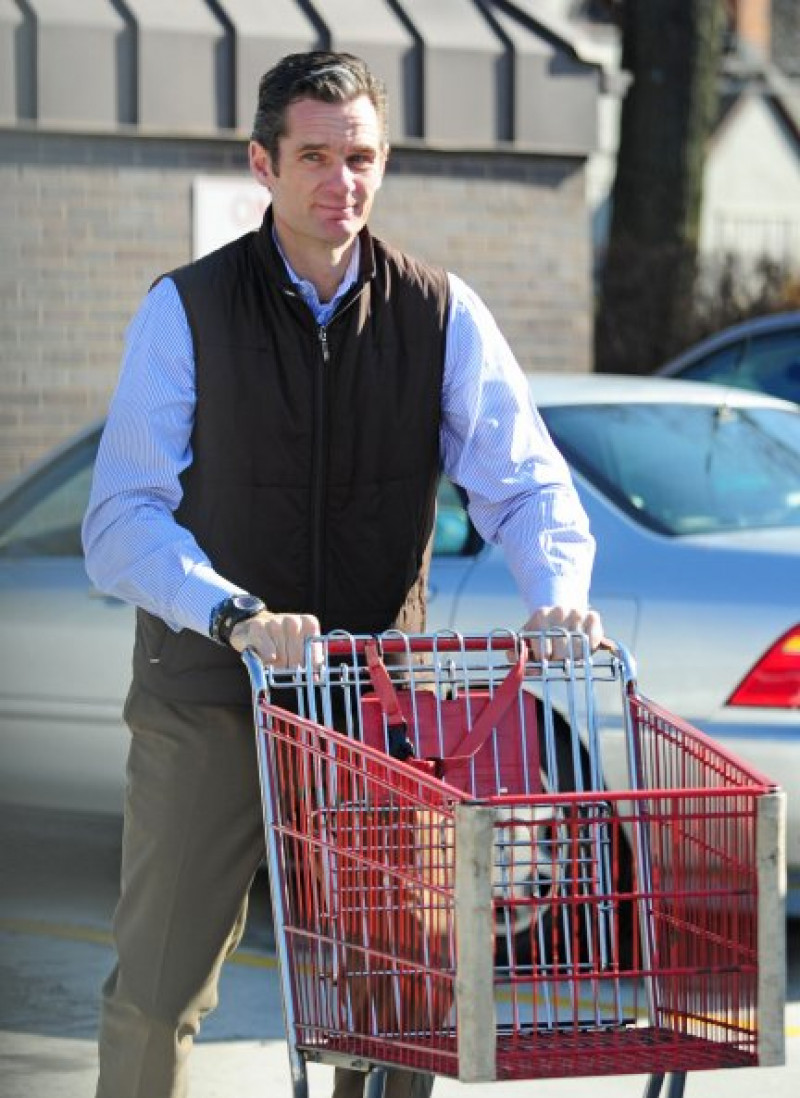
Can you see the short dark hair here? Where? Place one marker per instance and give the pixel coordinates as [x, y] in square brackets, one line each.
[319, 74]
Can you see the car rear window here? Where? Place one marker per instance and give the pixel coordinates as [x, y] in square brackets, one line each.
[686, 468]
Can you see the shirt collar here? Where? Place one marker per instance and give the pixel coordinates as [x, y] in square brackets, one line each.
[322, 311]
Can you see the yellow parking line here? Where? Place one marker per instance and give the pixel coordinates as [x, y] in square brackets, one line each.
[252, 960]
[68, 932]
[64, 932]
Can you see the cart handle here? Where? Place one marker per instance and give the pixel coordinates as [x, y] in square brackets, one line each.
[395, 642]
[348, 645]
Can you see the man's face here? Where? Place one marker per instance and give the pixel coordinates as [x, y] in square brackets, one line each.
[330, 167]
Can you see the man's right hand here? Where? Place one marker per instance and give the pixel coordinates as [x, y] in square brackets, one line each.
[278, 639]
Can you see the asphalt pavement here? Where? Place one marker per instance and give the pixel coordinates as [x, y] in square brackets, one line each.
[57, 892]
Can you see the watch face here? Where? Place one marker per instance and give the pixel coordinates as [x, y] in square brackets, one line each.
[249, 603]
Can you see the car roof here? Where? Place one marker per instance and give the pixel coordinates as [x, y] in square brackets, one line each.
[746, 329]
[550, 390]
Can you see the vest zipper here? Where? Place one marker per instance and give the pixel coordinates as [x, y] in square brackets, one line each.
[318, 474]
[322, 334]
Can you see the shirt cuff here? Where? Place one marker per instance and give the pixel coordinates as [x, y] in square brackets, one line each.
[202, 591]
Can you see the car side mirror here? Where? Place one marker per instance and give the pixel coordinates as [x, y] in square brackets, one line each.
[452, 533]
[454, 536]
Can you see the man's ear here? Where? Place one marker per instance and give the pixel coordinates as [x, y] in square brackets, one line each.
[260, 164]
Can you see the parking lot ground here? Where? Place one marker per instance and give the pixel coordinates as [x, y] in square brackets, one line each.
[58, 889]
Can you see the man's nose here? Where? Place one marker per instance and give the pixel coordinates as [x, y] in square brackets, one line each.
[342, 175]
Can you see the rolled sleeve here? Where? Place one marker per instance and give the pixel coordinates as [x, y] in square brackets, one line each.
[134, 548]
[496, 447]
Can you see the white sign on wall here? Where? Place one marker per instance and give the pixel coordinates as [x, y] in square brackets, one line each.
[223, 209]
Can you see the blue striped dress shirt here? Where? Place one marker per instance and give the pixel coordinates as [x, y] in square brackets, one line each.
[493, 444]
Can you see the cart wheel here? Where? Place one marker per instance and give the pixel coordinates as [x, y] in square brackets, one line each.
[535, 871]
[375, 1083]
[675, 1086]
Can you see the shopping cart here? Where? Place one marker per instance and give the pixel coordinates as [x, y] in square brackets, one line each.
[493, 867]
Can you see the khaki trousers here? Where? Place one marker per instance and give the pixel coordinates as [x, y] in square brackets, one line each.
[192, 841]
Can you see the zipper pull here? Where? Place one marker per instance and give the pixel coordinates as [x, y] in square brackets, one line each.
[322, 333]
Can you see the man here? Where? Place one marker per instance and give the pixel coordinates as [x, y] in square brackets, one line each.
[268, 471]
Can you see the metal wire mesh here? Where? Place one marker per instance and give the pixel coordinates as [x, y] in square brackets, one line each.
[623, 922]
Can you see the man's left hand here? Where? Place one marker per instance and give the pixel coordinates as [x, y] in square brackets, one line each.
[562, 617]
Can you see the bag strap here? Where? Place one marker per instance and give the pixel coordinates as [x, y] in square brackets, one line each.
[504, 696]
[475, 737]
[400, 746]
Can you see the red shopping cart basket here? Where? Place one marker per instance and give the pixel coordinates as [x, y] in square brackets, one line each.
[590, 886]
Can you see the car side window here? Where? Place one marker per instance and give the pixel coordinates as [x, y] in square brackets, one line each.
[720, 366]
[772, 363]
[768, 363]
[43, 517]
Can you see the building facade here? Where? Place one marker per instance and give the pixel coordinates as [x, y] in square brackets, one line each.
[114, 114]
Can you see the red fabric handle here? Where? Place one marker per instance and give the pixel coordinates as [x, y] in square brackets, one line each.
[489, 718]
[400, 746]
[382, 684]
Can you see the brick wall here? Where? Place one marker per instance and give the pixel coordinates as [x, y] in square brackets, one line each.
[86, 223]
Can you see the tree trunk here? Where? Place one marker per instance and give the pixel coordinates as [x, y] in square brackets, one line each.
[672, 50]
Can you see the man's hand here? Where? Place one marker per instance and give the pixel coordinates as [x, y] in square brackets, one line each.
[278, 639]
[561, 617]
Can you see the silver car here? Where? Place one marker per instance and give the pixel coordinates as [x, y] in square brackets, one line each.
[693, 493]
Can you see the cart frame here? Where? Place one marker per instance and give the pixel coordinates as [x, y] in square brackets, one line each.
[681, 790]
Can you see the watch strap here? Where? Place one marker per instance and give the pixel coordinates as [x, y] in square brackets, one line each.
[229, 613]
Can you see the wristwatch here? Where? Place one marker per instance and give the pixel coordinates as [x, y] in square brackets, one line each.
[228, 613]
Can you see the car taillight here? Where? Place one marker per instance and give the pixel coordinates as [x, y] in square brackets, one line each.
[775, 680]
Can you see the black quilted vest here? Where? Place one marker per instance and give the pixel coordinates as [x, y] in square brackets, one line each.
[315, 450]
